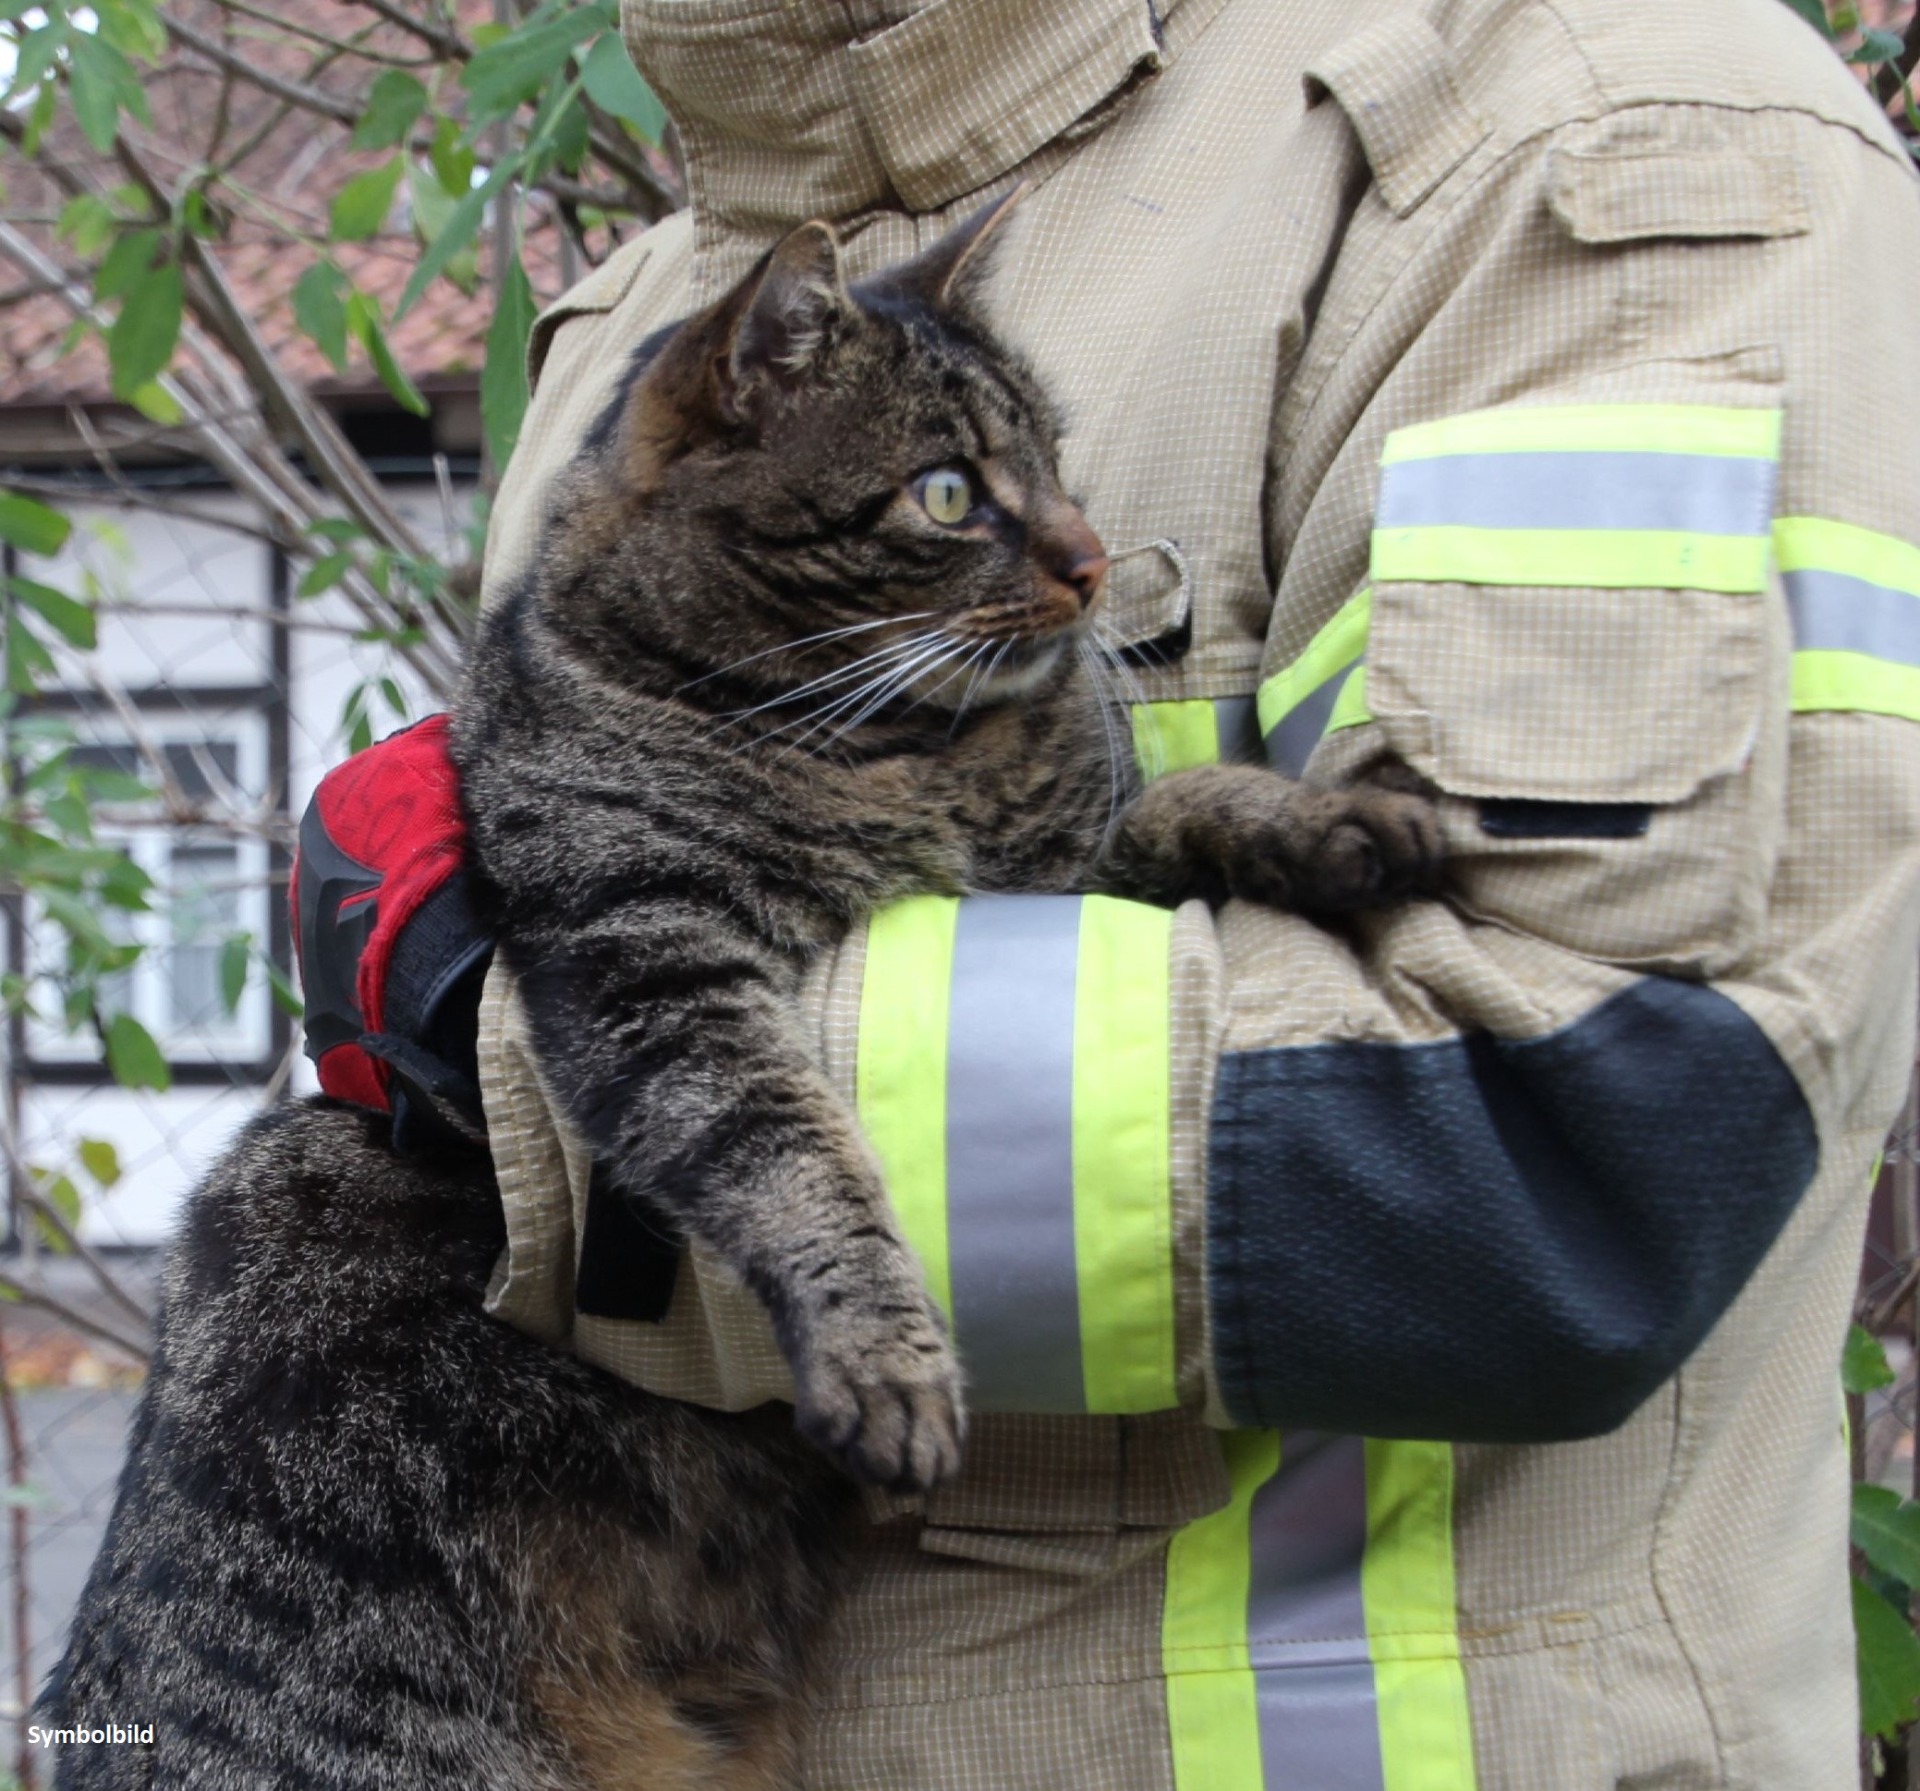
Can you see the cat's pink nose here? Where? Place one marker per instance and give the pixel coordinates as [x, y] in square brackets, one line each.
[1077, 556]
[1087, 574]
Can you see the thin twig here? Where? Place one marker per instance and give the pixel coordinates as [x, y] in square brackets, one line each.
[29, 1294]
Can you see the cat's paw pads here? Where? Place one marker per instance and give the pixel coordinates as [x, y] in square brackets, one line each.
[1380, 845]
[1333, 851]
[891, 1416]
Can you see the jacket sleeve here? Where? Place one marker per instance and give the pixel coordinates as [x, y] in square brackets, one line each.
[1609, 531]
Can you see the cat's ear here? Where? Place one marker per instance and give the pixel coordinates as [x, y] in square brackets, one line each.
[949, 274]
[785, 320]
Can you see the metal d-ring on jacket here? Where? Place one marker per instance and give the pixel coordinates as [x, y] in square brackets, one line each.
[1408, 1355]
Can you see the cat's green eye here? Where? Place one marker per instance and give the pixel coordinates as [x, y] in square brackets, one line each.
[946, 495]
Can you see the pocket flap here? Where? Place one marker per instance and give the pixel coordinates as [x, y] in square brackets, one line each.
[1148, 600]
[1676, 172]
[1569, 600]
[1084, 1477]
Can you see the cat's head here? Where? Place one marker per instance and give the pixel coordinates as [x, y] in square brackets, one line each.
[834, 474]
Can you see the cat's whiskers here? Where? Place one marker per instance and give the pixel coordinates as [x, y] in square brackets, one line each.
[856, 711]
[1101, 663]
[894, 684]
[806, 640]
[980, 680]
[828, 680]
[877, 670]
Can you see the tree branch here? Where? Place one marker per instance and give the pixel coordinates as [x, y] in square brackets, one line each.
[29, 1294]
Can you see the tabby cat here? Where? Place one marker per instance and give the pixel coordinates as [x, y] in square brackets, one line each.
[806, 633]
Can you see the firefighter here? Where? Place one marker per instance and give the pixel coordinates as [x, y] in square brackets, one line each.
[1413, 1368]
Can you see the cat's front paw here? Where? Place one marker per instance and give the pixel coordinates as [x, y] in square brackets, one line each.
[889, 1410]
[1332, 851]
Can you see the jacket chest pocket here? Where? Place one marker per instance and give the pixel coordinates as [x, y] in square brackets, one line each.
[1576, 634]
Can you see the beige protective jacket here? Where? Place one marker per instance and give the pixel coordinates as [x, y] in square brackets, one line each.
[1526, 388]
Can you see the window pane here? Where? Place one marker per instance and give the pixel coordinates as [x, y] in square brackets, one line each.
[205, 913]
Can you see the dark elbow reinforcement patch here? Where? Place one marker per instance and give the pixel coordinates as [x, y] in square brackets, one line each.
[1495, 1240]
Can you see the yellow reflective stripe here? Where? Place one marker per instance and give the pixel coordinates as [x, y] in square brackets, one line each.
[1593, 429]
[1175, 736]
[1407, 1585]
[1616, 559]
[1815, 544]
[1350, 706]
[1122, 1193]
[901, 1070]
[1856, 681]
[1213, 1714]
[1337, 645]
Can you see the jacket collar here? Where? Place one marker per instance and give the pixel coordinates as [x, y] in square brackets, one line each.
[790, 109]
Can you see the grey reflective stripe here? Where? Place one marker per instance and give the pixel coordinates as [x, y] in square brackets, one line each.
[1236, 721]
[1306, 1624]
[1016, 1295]
[1298, 732]
[1835, 612]
[1699, 494]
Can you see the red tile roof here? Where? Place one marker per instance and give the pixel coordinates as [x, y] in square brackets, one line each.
[299, 164]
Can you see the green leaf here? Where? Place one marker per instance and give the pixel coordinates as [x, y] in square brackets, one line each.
[285, 995]
[131, 25]
[1863, 1363]
[108, 785]
[433, 209]
[70, 814]
[64, 1197]
[132, 254]
[571, 136]
[363, 318]
[325, 573]
[125, 885]
[505, 74]
[394, 101]
[361, 206]
[35, 56]
[234, 956]
[72, 619]
[503, 379]
[1886, 1529]
[1877, 46]
[154, 402]
[93, 73]
[453, 162]
[1888, 1656]
[320, 309]
[31, 526]
[141, 341]
[102, 85]
[88, 223]
[133, 1057]
[614, 85]
[77, 918]
[200, 215]
[28, 660]
[40, 114]
[355, 722]
[101, 1160]
[1815, 13]
[458, 231]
